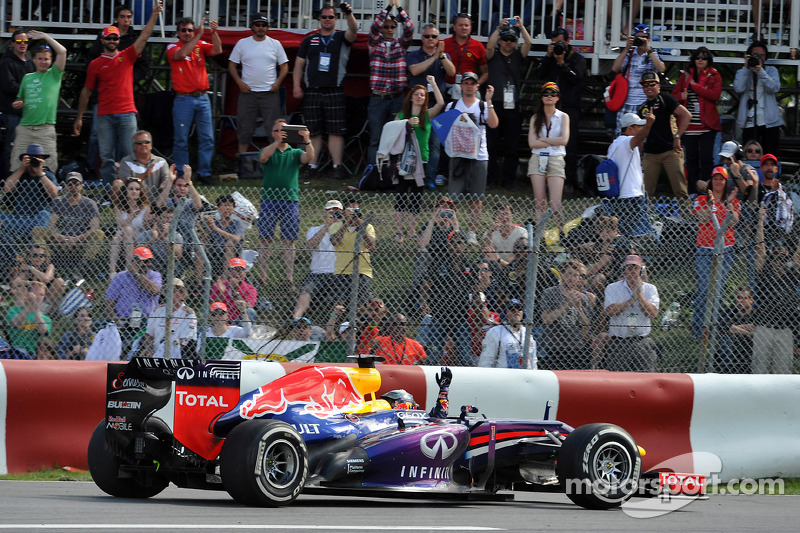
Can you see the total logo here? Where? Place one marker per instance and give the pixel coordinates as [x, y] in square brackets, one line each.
[307, 429]
[200, 400]
[441, 443]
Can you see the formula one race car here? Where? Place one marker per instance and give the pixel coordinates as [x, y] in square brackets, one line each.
[188, 422]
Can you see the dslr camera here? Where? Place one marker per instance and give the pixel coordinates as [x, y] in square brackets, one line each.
[754, 60]
[638, 41]
[36, 162]
[559, 48]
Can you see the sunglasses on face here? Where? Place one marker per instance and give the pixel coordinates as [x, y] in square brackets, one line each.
[21, 41]
[649, 84]
[142, 142]
[549, 94]
[508, 39]
[430, 36]
[327, 17]
[753, 151]
[701, 58]
[111, 38]
[186, 30]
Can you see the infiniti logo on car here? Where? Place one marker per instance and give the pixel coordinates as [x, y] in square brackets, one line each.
[185, 373]
[435, 442]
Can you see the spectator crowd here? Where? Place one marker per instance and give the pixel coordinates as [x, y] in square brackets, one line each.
[478, 293]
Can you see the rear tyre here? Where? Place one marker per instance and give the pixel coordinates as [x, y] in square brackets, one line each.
[264, 463]
[599, 466]
[104, 466]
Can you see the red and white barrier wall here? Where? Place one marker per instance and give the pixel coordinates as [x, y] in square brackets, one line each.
[48, 410]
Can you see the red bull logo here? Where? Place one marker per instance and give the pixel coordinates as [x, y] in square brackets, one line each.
[324, 391]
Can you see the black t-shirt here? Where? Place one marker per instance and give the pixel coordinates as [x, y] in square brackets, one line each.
[449, 286]
[775, 298]
[660, 139]
[312, 48]
[29, 197]
[505, 70]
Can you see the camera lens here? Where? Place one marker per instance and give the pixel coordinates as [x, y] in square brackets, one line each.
[638, 41]
[559, 48]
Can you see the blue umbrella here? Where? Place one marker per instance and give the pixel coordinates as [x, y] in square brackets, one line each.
[443, 123]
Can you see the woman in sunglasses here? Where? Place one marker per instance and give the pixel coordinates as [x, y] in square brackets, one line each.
[547, 137]
[698, 89]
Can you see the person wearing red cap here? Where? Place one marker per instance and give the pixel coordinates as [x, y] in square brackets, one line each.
[631, 305]
[112, 75]
[133, 294]
[716, 203]
[234, 291]
[780, 212]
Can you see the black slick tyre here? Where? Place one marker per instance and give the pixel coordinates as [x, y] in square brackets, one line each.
[264, 463]
[599, 466]
[104, 466]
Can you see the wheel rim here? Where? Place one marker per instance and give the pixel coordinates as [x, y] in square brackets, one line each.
[612, 464]
[281, 464]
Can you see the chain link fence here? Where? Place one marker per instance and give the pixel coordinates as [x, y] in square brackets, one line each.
[422, 274]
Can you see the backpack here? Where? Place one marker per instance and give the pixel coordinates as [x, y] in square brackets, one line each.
[607, 174]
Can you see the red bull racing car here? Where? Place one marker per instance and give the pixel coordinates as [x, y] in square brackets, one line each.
[189, 423]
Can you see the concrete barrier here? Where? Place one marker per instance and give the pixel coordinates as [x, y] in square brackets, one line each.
[48, 410]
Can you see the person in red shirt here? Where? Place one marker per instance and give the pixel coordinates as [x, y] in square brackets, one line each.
[232, 290]
[717, 203]
[112, 75]
[187, 60]
[467, 54]
[395, 346]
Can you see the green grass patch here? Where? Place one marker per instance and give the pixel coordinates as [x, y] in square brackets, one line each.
[52, 474]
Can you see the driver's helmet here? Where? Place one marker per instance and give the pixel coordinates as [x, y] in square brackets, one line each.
[400, 399]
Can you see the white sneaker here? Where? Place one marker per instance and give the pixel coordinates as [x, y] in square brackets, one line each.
[472, 239]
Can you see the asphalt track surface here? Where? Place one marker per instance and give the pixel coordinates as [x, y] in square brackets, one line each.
[81, 506]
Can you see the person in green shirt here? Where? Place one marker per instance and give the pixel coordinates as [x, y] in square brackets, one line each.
[280, 197]
[38, 98]
[26, 322]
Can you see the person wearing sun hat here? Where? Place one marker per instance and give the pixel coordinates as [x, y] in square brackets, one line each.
[28, 191]
[663, 147]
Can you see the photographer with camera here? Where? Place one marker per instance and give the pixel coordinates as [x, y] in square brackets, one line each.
[319, 281]
[505, 58]
[638, 57]
[28, 192]
[757, 84]
[343, 235]
[564, 66]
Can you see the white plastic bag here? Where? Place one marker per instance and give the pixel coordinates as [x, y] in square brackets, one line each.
[244, 210]
[107, 345]
[464, 138]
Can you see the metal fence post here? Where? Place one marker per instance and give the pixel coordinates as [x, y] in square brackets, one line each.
[169, 286]
[531, 275]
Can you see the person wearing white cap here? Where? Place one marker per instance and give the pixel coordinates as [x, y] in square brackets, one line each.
[319, 281]
[625, 152]
[183, 324]
[631, 305]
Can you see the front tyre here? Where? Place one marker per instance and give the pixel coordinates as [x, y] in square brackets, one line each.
[599, 466]
[104, 466]
[264, 463]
